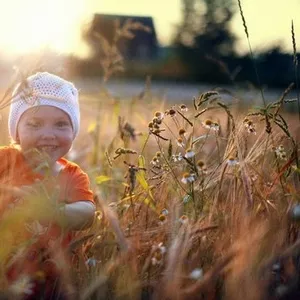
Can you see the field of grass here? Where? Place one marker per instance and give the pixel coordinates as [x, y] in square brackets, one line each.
[198, 200]
[194, 201]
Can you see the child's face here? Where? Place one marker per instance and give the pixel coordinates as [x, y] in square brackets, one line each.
[47, 129]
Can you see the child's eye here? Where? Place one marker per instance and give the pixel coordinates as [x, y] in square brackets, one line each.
[62, 124]
[33, 124]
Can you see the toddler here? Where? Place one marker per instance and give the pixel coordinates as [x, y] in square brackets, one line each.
[43, 121]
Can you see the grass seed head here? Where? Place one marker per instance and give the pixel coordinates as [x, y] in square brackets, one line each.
[181, 131]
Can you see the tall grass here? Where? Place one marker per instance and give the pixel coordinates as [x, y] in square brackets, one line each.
[194, 201]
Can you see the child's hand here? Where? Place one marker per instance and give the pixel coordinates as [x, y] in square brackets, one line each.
[36, 202]
[28, 191]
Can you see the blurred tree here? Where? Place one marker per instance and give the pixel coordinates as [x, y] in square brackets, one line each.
[204, 39]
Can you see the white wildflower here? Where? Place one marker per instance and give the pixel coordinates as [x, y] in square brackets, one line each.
[164, 212]
[158, 254]
[177, 157]
[183, 219]
[249, 125]
[159, 115]
[91, 262]
[280, 152]
[22, 286]
[196, 274]
[180, 142]
[232, 162]
[188, 178]
[189, 153]
[183, 107]
[208, 124]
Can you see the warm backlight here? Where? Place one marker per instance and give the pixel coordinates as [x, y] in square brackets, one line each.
[32, 25]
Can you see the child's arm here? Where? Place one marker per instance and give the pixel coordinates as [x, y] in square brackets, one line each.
[79, 215]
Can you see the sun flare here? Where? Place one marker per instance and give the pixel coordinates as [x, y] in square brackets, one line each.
[32, 25]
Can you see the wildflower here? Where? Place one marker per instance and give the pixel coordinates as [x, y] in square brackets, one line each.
[98, 215]
[280, 152]
[162, 248]
[165, 212]
[183, 219]
[188, 177]
[91, 262]
[201, 165]
[249, 125]
[254, 177]
[150, 125]
[183, 107]
[158, 254]
[157, 258]
[209, 124]
[154, 161]
[277, 267]
[162, 218]
[295, 212]
[181, 131]
[215, 126]
[187, 198]
[177, 157]
[156, 121]
[189, 153]
[196, 274]
[22, 286]
[172, 112]
[158, 154]
[159, 115]
[180, 142]
[156, 126]
[232, 161]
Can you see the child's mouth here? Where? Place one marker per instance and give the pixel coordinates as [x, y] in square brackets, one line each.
[47, 148]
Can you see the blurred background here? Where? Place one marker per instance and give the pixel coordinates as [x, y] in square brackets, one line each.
[182, 45]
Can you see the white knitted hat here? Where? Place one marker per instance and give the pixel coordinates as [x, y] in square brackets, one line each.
[44, 89]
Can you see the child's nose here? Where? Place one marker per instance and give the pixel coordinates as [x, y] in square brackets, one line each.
[48, 133]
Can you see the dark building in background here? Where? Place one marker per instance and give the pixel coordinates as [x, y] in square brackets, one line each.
[143, 47]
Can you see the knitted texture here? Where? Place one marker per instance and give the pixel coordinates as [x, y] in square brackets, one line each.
[43, 89]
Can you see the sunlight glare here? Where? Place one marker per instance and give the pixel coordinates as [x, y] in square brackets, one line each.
[32, 25]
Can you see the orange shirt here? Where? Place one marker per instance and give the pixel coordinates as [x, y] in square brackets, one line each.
[15, 172]
[73, 186]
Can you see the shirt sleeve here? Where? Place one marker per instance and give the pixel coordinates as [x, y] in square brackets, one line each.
[80, 188]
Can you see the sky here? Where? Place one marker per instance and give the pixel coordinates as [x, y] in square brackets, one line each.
[33, 25]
